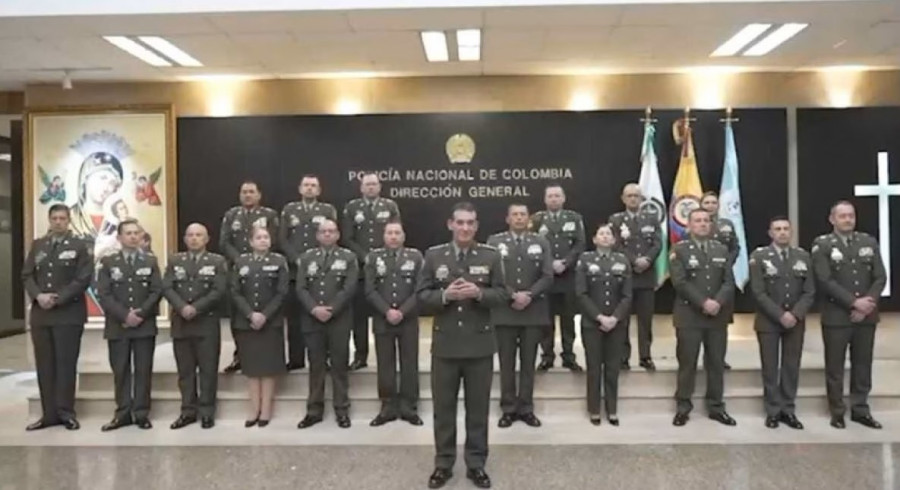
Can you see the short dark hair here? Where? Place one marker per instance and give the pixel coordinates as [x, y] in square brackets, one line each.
[463, 206]
[710, 193]
[841, 203]
[552, 185]
[780, 217]
[605, 225]
[125, 222]
[251, 182]
[59, 207]
[515, 204]
[255, 229]
[309, 176]
[368, 173]
[697, 210]
[394, 221]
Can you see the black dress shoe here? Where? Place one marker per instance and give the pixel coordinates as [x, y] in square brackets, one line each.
[343, 421]
[439, 478]
[116, 424]
[356, 365]
[723, 418]
[479, 478]
[262, 423]
[626, 366]
[506, 420]
[381, 420]
[573, 366]
[772, 422]
[41, 424]
[866, 420]
[207, 422]
[838, 422]
[613, 420]
[308, 421]
[545, 366]
[596, 419]
[234, 367]
[648, 364]
[293, 366]
[182, 421]
[71, 424]
[530, 420]
[791, 421]
[680, 419]
[413, 419]
[726, 366]
[143, 424]
[251, 423]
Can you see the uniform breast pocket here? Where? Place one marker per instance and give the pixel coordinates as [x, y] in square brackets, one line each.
[408, 276]
[481, 278]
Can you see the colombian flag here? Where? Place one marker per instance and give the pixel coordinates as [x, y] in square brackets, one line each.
[687, 190]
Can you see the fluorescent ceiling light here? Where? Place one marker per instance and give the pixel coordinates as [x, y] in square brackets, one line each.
[775, 39]
[737, 42]
[137, 50]
[468, 43]
[435, 44]
[170, 51]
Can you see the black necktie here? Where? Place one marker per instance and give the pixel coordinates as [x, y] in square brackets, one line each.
[784, 255]
[130, 260]
[461, 256]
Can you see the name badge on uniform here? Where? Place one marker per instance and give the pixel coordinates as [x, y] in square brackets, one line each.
[380, 267]
[295, 221]
[70, 254]
[568, 226]
[800, 266]
[318, 219]
[207, 270]
[624, 232]
[648, 229]
[535, 249]
[478, 270]
[863, 252]
[312, 269]
[618, 268]
[260, 223]
[235, 225]
[543, 230]
[693, 263]
[143, 271]
[409, 265]
[836, 255]
[244, 270]
[504, 250]
[718, 260]
[180, 273]
[771, 270]
[359, 218]
[339, 265]
[40, 256]
[594, 269]
[383, 215]
[442, 272]
[115, 273]
[270, 268]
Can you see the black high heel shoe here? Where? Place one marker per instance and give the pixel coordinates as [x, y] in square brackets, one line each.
[251, 423]
[262, 423]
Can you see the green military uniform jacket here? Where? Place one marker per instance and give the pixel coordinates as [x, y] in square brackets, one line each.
[637, 235]
[724, 233]
[698, 276]
[527, 266]
[565, 233]
[64, 269]
[603, 286]
[238, 223]
[390, 281]
[327, 280]
[362, 224]
[845, 272]
[259, 283]
[201, 283]
[122, 287]
[299, 223]
[462, 329]
[781, 286]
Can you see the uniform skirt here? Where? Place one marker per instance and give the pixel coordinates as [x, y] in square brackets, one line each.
[261, 351]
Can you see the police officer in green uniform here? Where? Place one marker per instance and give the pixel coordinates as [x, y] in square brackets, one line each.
[234, 234]
[390, 277]
[850, 276]
[704, 288]
[129, 287]
[56, 273]
[638, 237]
[603, 287]
[460, 282]
[299, 222]
[521, 322]
[326, 282]
[781, 279]
[723, 232]
[362, 226]
[564, 230]
[194, 284]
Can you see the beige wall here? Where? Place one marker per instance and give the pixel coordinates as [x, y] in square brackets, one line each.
[501, 93]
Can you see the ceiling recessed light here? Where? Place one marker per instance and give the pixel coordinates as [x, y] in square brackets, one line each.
[137, 50]
[435, 44]
[775, 39]
[468, 42]
[170, 51]
[737, 42]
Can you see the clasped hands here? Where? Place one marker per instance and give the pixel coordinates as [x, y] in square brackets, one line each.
[47, 300]
[862, 308]
[607, 322]
[461, 289]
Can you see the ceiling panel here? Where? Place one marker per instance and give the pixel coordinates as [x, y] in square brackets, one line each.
[574, 44]
[281, 21]
[213, 49]
[549, 17]
[512, 45]
[426, 19]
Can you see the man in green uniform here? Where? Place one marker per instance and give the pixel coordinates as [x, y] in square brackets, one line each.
[326, 283]
[704, 288]
[299, 222]
[362, 226]
[528, 267]
[637, 236]
[460, 282]
[391, 274]
[194, 284]
[564, 230]
[237, 226]
[782, 282]
[56, 273]
[850, 276]
[129, 287]
[723, 232]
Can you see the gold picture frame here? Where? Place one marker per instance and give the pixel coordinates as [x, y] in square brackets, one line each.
[107, 163]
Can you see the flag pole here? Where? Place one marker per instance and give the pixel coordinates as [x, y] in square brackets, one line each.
[648, 117]
[729, 117]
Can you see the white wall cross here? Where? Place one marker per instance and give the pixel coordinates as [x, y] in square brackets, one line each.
[884, 190]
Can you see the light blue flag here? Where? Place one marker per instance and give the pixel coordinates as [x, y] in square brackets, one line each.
[730, 206]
